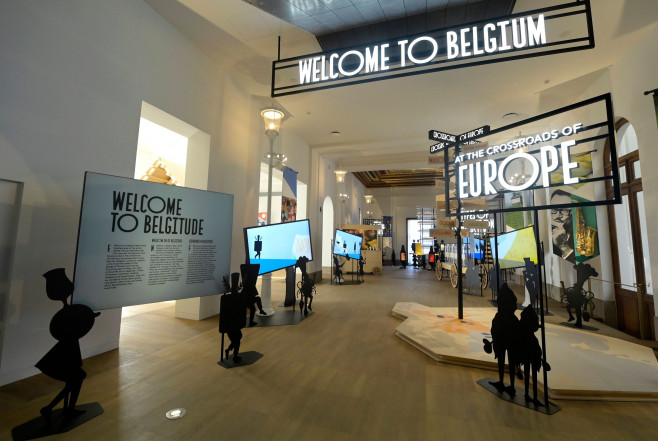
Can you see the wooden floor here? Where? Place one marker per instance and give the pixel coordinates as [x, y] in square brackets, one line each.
[339, 375]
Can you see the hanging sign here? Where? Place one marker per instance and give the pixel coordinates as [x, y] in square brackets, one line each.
[475, 133]
[521, 35]
[451, 222]
[438, 232]
[566, 159]
[436, 135]
[476, 224]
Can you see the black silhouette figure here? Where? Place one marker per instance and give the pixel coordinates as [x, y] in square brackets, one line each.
[64, 361]
[258, 246]
[403, 258]
[305, 287]
[576, 297]
[392, 257]
[232, 315]
[531, 274]
[338, 272]
[473, 281]
[494, 281]
[503, 329]
[362, 262]
[528, 352]
[414, 259]
[249, 291]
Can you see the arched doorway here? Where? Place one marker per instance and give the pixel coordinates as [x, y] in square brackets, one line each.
[327, 230]
[628, 239]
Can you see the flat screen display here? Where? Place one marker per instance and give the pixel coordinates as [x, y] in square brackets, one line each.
[473, 247]
[514, 246]
[278, 246]
[346, 244]
[144, 242]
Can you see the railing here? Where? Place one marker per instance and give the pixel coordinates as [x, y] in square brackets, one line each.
[638, 288]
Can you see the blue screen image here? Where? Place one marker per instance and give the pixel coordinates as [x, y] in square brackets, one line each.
[474, 249]
[279, 245]
[346, 244]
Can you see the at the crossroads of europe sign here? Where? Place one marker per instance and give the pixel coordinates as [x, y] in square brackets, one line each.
[483, 174]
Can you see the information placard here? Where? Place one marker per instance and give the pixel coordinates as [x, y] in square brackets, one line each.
[143, 242]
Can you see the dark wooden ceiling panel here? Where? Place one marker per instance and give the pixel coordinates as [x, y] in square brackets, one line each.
[399, 178]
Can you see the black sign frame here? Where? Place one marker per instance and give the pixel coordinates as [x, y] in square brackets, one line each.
[556, 12]
[610, 135]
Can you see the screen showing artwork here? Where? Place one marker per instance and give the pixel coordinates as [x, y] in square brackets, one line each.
[278, 246]
[473, 247]
[514, 246]
[144, 242]
[346, 244]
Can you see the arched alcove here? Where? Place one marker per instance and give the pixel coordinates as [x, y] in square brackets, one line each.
[327, 230]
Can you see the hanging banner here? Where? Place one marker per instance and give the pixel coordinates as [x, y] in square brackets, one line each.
[387, 222]
[526, 34]
[289, 195]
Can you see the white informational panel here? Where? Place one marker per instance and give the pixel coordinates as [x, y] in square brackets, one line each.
[143, 242]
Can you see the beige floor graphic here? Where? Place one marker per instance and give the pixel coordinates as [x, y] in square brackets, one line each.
[584, 365]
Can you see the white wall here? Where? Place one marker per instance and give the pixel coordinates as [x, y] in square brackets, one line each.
[74, 74]
[635, 72]
[322, 184]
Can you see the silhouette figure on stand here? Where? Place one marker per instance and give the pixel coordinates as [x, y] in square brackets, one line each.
[249, 291]
[473, 280]
[494, 281]
[258, 246]
[362, 262]
[414, 258]
[64, 361]
[504, 327]
[403, 258]
[232, 315]
[576, 297]
[531, 274]
[305, 287]
[338, 272]
[528, 351]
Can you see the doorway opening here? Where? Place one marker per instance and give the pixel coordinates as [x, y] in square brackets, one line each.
[327, 230]
[631, 262]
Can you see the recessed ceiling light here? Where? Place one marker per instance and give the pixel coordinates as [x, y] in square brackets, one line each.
[335, 133]
[510, 115]
[547, 81]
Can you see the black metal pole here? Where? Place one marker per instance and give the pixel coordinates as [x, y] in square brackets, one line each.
[545, 278]
[460, 288]
[496, 268]
[541, 309]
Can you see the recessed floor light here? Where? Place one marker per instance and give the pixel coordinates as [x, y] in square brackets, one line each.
[174, 414]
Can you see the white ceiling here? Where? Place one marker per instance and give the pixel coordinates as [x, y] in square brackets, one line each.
[394, 115]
